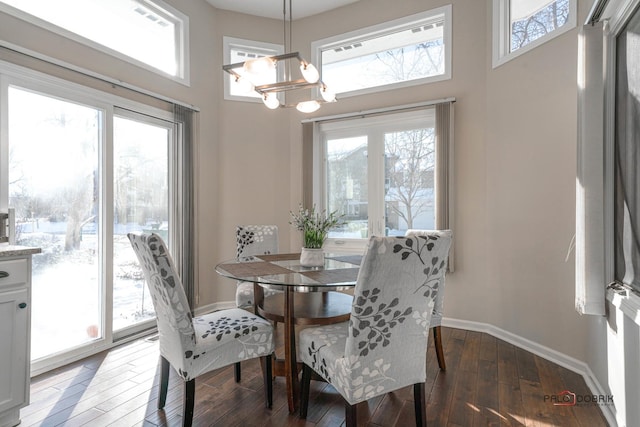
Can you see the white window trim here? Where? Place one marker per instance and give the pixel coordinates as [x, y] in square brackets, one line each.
[386, 28]
[182, 39]
[501, 33]
[227, 42]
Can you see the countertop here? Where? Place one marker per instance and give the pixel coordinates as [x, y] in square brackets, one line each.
[14, 250]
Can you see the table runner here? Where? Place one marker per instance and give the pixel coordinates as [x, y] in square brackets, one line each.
[259, 268]
[332, 276]
[278, 257]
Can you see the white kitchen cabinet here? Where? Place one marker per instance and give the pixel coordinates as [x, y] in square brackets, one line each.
[15, 336]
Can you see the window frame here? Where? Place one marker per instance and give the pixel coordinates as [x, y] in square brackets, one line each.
[385, 28]
[501, 32]
[179, 19]
[228, 43]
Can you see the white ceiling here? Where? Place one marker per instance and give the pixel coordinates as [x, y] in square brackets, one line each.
[273, 8]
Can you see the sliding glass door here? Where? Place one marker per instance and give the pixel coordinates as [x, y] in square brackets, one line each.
[53, 185]
[140, 203]
[81, 174]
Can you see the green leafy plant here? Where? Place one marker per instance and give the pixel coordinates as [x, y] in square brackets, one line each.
[315, 225]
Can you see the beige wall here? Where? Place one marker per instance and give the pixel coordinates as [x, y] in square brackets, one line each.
[515, 143]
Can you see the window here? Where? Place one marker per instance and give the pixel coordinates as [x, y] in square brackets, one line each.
[521, 25]
[381, 173]
[626, 206]
[408, 51]
[607, 245]
[239, 50]
[144, 32]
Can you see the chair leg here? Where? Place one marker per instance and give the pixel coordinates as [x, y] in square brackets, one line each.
[237, 371]
[437, 340]
[188, 402]
[304, 390]
[419, 397]
[164, 382]
[268, 380]
[350, 414]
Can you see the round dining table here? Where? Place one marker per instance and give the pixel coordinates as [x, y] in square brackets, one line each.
[310, 296]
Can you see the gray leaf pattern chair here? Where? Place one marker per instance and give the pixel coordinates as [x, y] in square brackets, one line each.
[254, 240]
[196, 345]
[367, 356]
[436, 318]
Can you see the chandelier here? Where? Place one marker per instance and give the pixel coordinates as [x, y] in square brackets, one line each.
[292, 73]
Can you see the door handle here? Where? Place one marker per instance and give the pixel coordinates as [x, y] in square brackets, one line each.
[22, 305]
[4, 274]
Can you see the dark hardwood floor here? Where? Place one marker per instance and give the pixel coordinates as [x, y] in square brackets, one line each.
[488, 382]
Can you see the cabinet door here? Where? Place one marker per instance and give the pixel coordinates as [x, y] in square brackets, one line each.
[14, 317]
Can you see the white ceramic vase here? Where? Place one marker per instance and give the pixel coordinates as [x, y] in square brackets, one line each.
[312, 257]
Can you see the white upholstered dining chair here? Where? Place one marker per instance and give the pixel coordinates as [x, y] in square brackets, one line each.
[436, 318]
[254, 240]
[367, 356]
[196, 345]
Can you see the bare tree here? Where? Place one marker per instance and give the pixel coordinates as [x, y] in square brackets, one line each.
[410, 165]
[402, 64]
[77, 199]
[79, 202]
[540, 23]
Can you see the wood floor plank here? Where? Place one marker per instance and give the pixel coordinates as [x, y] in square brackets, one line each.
[510, 405]
[538, 414]
[507, 366]
[487, 382]
[486, 396]
[552, 385]
[441, 395]
[527, 369]
[587, 414]
[469, 358]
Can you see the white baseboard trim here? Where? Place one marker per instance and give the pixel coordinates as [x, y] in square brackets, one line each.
[547, 353]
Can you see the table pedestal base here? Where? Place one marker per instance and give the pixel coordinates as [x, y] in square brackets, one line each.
[298, 308]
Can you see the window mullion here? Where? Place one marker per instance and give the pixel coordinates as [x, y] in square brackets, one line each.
[376, 183]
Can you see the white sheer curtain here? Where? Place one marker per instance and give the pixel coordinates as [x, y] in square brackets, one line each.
[590, 190]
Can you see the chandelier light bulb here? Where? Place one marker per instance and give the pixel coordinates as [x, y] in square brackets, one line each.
[271, 101]
[309, 72]
[260, 66]
[243, 85]
[327, 94]
[308, 106]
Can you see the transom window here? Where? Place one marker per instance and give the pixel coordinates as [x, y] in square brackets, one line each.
[408, 51]
[521, 25]
[145, 32]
